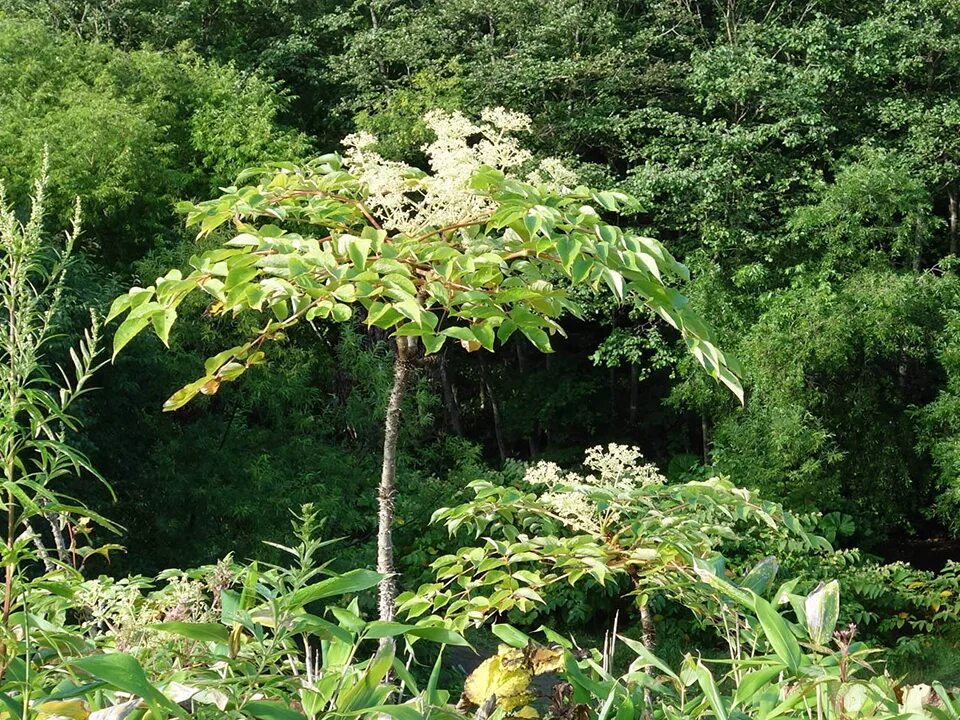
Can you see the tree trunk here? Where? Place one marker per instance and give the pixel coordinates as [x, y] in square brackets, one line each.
[532, 446]
[649, 629]
[954, 218]
[521, 358]
[705, 438]
[634, 394]
[387, 490]
[612, 386]
[495, 409]
[650, 643]
[450, 399]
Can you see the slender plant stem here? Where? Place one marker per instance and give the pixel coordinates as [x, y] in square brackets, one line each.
[8, 575]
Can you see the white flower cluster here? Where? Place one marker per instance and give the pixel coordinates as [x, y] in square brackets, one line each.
[575, 510]
[616, 467]
[620, 468]
[390, 185]
[618, 472]
[554, 174]
[410, 201]
[547, 473]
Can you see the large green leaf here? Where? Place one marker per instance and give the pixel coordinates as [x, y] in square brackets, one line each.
[127, 331]
[752, 684]
[778, 634]
[13, 707]
[204, 632]
[510, 635]
[324, 629]
[647, 658]
[370, 690]
[397, 712]
[349, 582]
[269, 710]
[123, 672]
[707, 572]
[710, 691]
[431, 696]
[761, 576]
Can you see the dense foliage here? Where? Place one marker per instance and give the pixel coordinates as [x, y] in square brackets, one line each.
[802, 159]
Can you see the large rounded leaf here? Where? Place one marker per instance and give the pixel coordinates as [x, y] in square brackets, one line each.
[822, 608]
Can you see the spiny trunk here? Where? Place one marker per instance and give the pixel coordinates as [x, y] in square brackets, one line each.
[649, 629]
[41, 550]
[57, 523]
[387, 490]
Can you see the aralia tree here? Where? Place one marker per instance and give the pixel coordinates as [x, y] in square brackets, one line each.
[469, 252]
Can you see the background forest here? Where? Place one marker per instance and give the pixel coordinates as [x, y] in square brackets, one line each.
[801, 157]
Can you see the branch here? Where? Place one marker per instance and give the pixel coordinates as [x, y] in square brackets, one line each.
[455, 226]
[41, 550]
[342, 198]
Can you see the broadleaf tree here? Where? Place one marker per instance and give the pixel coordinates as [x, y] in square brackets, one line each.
[471, 252]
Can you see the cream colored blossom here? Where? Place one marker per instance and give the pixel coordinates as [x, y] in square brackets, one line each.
[409, 201]
[505, 120]
[619, 468]
[360, 141]
[450, 125]
[576, 498]
[386, 180]
[575, 509]
[544, 473]
[554, 174]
